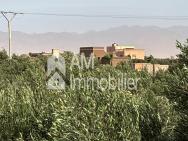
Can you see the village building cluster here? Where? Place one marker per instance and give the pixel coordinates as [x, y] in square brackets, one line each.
[118, 54]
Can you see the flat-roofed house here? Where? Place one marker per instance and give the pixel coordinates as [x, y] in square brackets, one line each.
[126, 51]
[134, 53]
[98, 52]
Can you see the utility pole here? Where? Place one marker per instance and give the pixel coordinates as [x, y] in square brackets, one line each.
[9, 20]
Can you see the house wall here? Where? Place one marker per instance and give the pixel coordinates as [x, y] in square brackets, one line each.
[134, 53]
[110, 49]
[87, 51]
[117, 60]
[97, 51]
[55, 52]
[151, 68]
[161, 67]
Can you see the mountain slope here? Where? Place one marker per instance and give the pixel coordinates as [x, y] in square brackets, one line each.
[159, 42]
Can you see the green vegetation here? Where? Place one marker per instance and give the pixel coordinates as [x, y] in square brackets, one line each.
[156, 111]
[107, 59]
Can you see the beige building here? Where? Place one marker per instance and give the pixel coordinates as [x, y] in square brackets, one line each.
[126, 51]
[117, 60]
[98, 52]
[151, 68]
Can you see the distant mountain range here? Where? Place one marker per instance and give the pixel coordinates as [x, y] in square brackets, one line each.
[160, 42]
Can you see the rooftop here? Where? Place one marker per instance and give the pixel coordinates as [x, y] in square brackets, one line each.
[85, 48]
[122, 46]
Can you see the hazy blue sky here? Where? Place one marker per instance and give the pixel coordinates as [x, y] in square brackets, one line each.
[29, 23]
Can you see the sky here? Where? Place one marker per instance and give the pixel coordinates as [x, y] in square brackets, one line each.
[42, 24]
